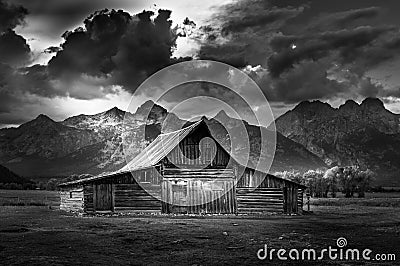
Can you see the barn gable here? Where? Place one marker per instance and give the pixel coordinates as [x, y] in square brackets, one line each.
[191, 145]
[159, 149]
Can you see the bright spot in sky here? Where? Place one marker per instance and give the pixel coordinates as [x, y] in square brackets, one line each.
[293, 46]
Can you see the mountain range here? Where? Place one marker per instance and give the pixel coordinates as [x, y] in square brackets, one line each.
[93, 144]
[8, 177]
[312, 135]
[80, 144]
[365, 134]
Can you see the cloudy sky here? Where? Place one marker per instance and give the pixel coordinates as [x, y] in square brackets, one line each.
[64, 58]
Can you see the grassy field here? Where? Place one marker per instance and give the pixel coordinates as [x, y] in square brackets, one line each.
[377, 199]
[29, 198]
[32, 235]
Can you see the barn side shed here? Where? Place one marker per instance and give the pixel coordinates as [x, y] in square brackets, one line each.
[185, 171]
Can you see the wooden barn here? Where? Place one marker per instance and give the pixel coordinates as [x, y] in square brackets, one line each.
[186, 171]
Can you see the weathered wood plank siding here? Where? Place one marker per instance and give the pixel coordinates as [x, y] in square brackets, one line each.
[197, 150]
[119, 193]
[129, 196]
[198, 191]
[133, 198]
[259, 200]
[88, 198]
[103, 197]
[197, 173]
[149, 175]
[199, 196]
[300, 200]
[290, 198]
[250, 178]
[72, 199]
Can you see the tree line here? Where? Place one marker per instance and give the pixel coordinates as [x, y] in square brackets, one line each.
[349, 180]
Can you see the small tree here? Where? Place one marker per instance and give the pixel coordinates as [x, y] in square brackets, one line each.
[332, 176]
[52, 184]
[364, 179]
[316, 183]
[353, 179]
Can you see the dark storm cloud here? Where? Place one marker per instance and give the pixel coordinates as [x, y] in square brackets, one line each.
[5, 72]
[261, 19]
[14, 52]
[346, 43]
[36, 81]
[31, 80]
[297, 47]
[122, 48]
[383, 49]
[343, 39]
[344, 19]
[395, 92]
[14, 93]
[307, 80]
[52, 49]
[112, 48]
[11, 15]
[232, 54]
[89, 50]
[368, 88]
[146, 47]
[64, 15]
[239, 33]
[13, 49]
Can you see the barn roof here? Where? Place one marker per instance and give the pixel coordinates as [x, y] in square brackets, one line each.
[155, 152]
[150, 156]
[159, 148]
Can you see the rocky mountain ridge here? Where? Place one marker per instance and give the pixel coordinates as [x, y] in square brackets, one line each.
[79, 144]
[365, 134]
[100, 143]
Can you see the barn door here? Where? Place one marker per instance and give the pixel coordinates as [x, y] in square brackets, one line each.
[285, 199]
[290, 198]
[179, 197]
[103, 197]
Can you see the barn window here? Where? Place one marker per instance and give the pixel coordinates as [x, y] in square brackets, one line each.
[207, 149]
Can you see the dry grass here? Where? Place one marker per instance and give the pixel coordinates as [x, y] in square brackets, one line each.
[40, 236]
[371, 199]
[29, 198]
[17, 202]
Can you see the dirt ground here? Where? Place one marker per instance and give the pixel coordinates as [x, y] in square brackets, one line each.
[42, 236]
